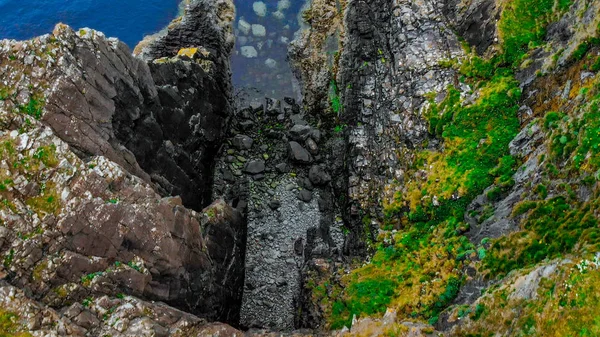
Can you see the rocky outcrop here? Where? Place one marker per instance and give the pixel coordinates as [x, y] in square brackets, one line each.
[73, 230]
[392, 57]
[162, 121]
[107, 164]
[398, 60]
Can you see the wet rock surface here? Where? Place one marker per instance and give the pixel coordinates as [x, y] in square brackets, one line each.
[287, 222]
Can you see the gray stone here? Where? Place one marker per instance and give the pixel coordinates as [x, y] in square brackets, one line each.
[260, 8]
[305, 195]
[242, 142]
[228, 176]
[299, 154]
[259, 30]
[312, 146]
[249, 52]
[318, 175]
[300, 132]
[244, 26]
[274, 204]
[255, 167]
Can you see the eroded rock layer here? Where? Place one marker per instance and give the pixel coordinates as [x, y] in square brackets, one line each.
[101, 154]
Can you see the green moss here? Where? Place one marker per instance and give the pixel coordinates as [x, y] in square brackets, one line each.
[48, 202]
[8, 258]
[542, 191]
[368, 296]
[334, 97]
[87, 279]
[39, 270]
[33, 108]
[551, 119]
[494, 194]
[523, 24]
[554, 227]
[596, 65]
[584, 47]
[10, 325]
[523, 207]
[61, 291]
[47, 155]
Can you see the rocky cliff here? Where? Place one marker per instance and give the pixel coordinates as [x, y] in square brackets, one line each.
[470, 142]
[440, 177]
[107, 164]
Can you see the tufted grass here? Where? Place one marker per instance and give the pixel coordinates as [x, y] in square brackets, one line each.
[417, 268]
[9, 325]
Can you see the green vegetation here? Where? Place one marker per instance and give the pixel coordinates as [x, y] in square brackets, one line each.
[34, 167]
[416, 270]
[522, 26]
[87, 279]
[87, 302]
[39, 270]
[567, 304]
[48, 202]
[10, 326]
[34, 108]
[562, 224]
[339, 128]
[334, 97]
[584, 47]
[8, 258]
[553, 227]
[135, 266]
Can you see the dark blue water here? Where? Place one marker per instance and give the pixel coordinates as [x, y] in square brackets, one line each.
[128, 20]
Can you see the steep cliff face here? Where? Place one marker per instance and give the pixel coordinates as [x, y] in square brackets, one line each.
[469, 131]
[101, 152]
[440, 177]
[162, 120]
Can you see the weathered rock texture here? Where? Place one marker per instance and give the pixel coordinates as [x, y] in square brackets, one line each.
[391, 59]
[92, 228]
[394, 63]
[101, 154]
[274, 167]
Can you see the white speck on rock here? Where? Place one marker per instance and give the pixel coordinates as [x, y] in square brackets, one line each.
[271, 63]
[249, 52]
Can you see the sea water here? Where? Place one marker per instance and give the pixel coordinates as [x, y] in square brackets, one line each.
[263, 32]
[128, 20]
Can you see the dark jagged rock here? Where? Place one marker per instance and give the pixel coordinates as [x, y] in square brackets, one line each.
[299, 153]
[162, 121]
[318, 175]
[242, 142]
[475, 21]
[305, 195]
[119, 130]
[255, 167]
